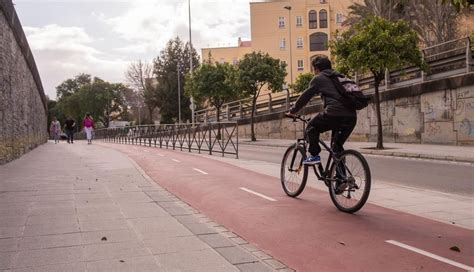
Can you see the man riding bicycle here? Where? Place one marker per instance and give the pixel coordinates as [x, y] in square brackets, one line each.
[336, 116]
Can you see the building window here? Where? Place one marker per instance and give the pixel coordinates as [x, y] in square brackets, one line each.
[318, 41]
[300, 66]
[339, 18]
[299, 42]
[323, 18]
[235, 61]
[222, 60]
[299, 20]
[322, 1]
[313, 19]
[282, 43]
[281, 22]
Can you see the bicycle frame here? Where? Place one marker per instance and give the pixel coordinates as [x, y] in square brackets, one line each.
[320, 172]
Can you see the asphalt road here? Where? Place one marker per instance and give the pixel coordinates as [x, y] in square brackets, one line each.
[448, 177]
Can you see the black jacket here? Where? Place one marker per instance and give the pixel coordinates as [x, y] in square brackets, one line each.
[323, 86]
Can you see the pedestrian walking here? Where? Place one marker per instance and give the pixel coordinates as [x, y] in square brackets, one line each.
[55, 130]
[69, 126]
[88, 125]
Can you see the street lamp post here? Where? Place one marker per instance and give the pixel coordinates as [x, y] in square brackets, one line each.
[291, 44]
[190, 59]
[179, 96]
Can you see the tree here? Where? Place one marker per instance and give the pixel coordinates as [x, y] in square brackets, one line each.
[460, 4]
[72, 85]
[377, 45]
[139, 75]
[302, 82]
[434, 22]
[214, 84]
[174, 57]
[257, 70]
[104, 100]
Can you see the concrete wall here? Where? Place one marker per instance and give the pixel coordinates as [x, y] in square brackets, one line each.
[434, 112]
[23, 110]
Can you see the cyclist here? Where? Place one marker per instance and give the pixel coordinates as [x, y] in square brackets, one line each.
[335, 117]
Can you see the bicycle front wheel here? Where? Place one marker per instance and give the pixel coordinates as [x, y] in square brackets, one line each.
[350, 181]
[293, 173]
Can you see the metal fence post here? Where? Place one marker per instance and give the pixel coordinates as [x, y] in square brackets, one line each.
[387, 79]
[270, 106]
[287, 99]
[469, 67]
[241, 110]
[228, 112]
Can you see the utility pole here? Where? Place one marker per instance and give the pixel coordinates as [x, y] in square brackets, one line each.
[179, 96]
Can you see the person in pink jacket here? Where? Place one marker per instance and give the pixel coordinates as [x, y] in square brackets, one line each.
[88, 125]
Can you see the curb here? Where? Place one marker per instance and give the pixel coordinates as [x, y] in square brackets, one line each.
[387, 153]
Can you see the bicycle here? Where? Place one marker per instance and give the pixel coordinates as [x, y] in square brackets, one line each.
[347, 174]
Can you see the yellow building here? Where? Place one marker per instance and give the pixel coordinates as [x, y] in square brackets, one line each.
[310, 22]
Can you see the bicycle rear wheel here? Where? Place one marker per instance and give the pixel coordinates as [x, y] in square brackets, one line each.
[350, 181]
[293, 173]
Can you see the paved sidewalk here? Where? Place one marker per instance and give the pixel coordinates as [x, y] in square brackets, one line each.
[89, 208]
[424, 151]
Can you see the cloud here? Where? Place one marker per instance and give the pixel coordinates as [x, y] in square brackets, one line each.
[63, 52]
[150, 24]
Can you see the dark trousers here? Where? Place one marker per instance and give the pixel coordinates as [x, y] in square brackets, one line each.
[341, 127]
[70, 135]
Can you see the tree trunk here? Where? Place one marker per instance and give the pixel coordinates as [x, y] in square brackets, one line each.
[252, 131]
[379, 116]
[218, 113]
[150, 115]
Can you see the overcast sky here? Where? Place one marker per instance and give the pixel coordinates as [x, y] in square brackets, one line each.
[101, 37]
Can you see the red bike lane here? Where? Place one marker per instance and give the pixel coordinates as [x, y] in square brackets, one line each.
[308, 233]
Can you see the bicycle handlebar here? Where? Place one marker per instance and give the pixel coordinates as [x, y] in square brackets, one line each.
[296, 117]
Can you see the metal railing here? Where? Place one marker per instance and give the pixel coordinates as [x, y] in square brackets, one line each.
[221, 138]
[443, 60]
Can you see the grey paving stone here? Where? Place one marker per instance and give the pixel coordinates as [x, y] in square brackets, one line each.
[249, 247]
[95, 252]
[108, 224]
[254, 267]
[13, 220]
[9, 244]
[203, 260]
[239, 240]
[178, 211]
[200, 228]
[6, 260]
[40, 257]
[50, 241]
[10, 232]
[52, 210]
[140, 210]
[171, 204]
[130, 197]
[112, 236]
[158, 224]
[216, 240]
[188, 219]
[91, 196]
[261, 255]
[236, 255]
[52, 220]
[147, 263]
[40, 198]
[97, 216]
[175, 244]
[275, 264]
[70, 267]
[34, 230]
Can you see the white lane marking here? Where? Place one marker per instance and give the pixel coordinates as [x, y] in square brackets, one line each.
[200, 171]
[257, 194]
[175, 160]
[431, 255]
[161, 155]
[146, 151]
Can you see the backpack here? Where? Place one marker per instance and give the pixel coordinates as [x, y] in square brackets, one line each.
[352, 96]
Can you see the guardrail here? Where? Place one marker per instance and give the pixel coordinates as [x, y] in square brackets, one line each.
[221, 138]
[446, 59]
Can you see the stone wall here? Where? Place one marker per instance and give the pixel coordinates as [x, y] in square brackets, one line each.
[435, 112]
[23, 110]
